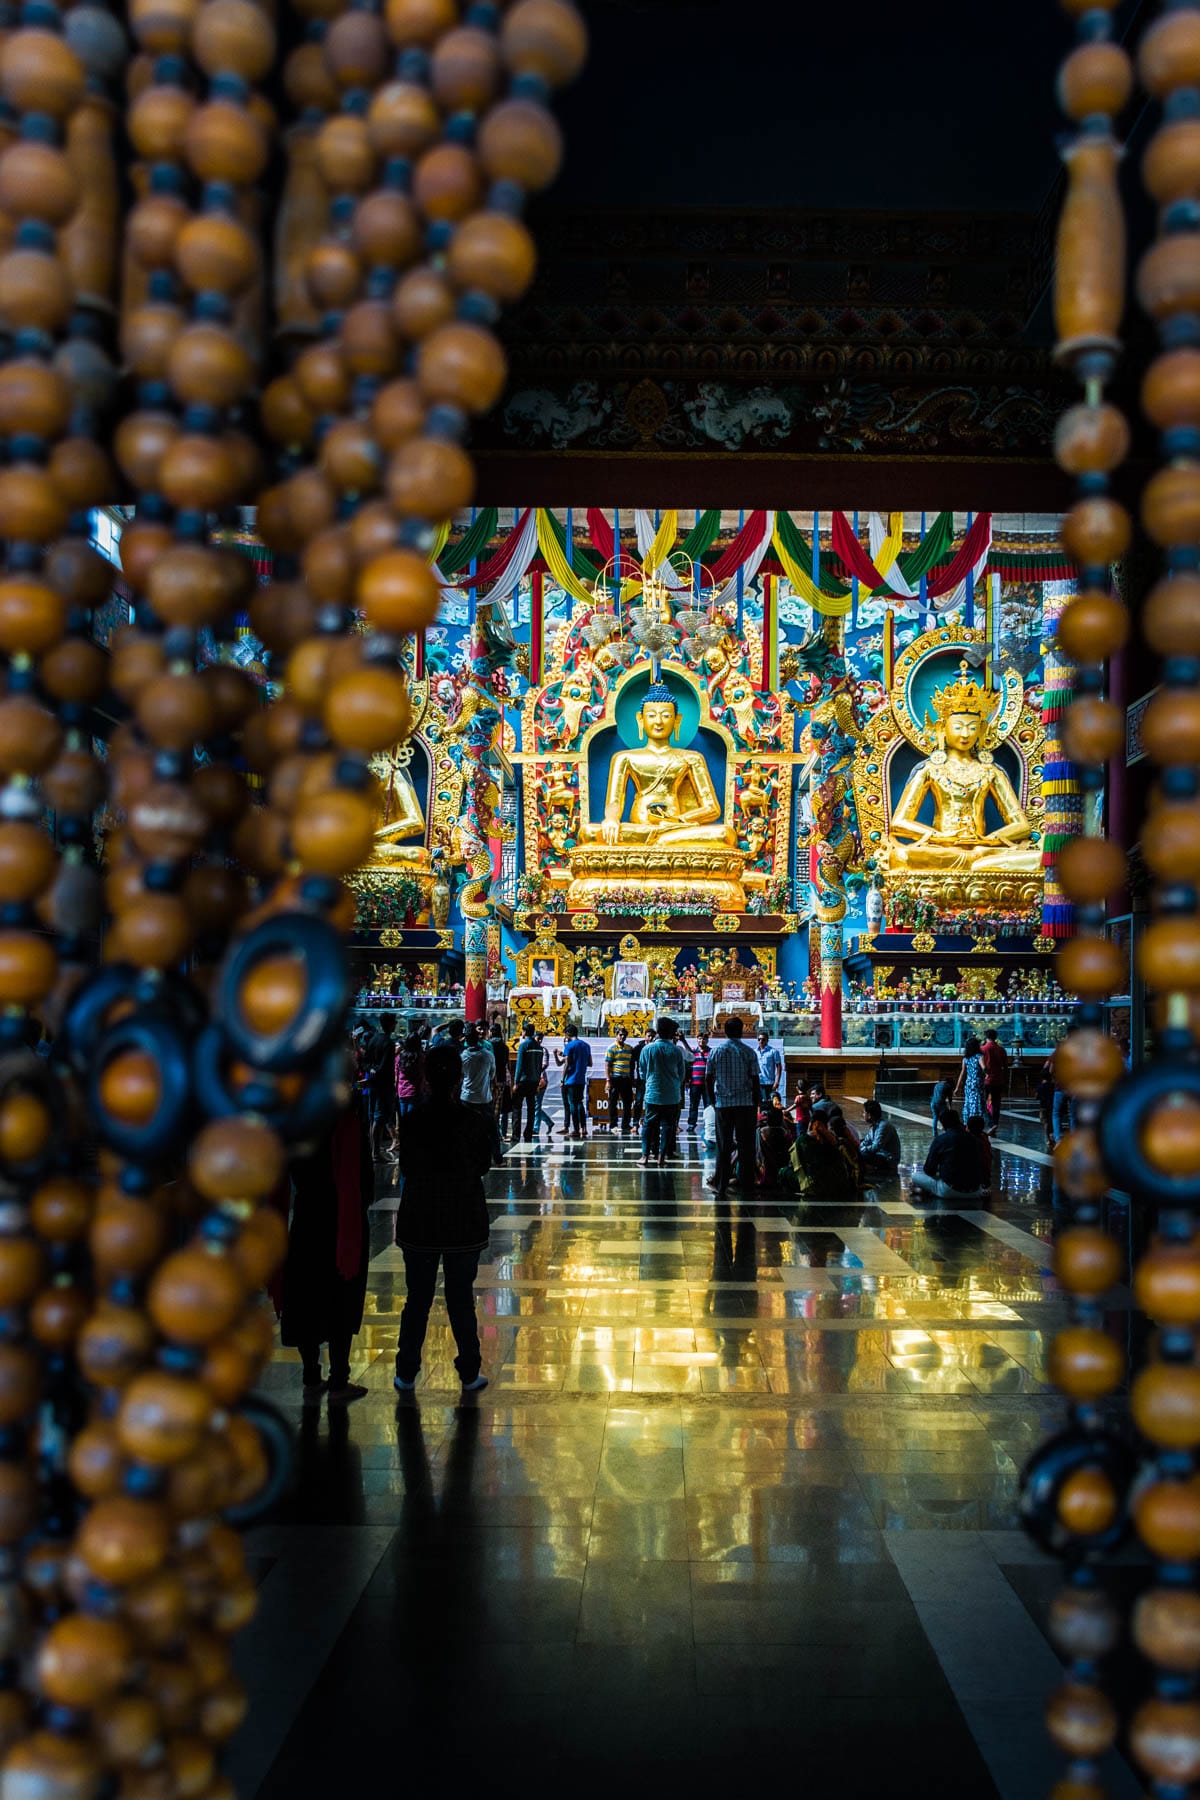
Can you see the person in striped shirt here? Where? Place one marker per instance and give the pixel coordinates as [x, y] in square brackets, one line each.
[619, 1070]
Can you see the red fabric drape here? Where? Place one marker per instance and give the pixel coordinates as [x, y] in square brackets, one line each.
[497, 562]
[853, 557]
[346, 1153]
[735, 554]
[601, 534]
[972, 548]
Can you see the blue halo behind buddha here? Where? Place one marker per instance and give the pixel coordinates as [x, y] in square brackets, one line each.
[634, 696]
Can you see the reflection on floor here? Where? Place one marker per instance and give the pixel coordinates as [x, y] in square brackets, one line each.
[740, 1497]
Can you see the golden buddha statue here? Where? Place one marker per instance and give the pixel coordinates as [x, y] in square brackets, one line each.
[961, 777]
[675, 840]
[403, 816]
[674, 801]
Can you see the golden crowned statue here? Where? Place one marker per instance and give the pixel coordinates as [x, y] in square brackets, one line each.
[963, 829]
[961, 777]
[402, 817]
[676, 837]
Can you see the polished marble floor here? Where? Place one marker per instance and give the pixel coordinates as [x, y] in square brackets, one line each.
[739, 1501]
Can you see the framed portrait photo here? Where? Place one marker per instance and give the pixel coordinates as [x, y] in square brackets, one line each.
[543, 972]
[630, 981]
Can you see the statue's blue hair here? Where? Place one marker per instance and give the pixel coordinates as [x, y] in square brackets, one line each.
[659, 690]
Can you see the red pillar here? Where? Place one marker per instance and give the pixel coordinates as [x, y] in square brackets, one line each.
[831, 987]
[475, 984]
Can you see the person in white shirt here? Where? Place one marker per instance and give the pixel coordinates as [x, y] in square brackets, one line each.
[479, 1075]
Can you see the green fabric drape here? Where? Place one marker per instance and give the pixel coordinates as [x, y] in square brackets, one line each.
[797, 545]
[935, 547]
[472, 544]
[583, 562]
[700, 539]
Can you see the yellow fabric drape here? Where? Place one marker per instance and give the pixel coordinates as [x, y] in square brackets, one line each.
[664, 543]
[439, 540]
[830, 605]
[556, 562]
[892, 544]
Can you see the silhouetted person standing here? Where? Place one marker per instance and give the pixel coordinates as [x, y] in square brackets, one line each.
[325, 1275]
[733, 1085]
[444, 1150]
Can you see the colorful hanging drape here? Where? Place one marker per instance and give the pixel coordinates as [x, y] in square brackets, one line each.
[975, 545]
[471, 546]
[555, 555]
[832, 606]
[604, 544]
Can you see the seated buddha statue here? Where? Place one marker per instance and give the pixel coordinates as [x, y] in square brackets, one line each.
[674, 801]
[403, 816]
[961, 778]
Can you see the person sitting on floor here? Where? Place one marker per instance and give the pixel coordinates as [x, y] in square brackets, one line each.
[978, 1128]
[776, 1135]
[954, 1166]
[879, 1151]
[820, 1168]
[846, 1139]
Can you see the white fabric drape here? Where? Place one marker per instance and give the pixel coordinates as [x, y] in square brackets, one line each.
[751, 565]
[877, 532]
[518, 568]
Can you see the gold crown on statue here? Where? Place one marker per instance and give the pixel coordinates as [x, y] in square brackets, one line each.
[964, 696]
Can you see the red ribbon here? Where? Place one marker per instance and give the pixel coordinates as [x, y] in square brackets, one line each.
[735, 554]
[497, 562]
[854, 558]
[970, 551]
[601, 533]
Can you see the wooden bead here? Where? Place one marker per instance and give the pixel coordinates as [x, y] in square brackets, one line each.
[398, 593]
[284, 415]
[82, 1660]
[147, 333]
[1093, 730]
[1171, 504]
[334, 834]
[1169, 954]
[397, 413]
[1087, 1502]
[546, 38]
[173, 1688]
[368, 709]
[40, 73]
[19, 1382]
[521, 142]
[345, 159]
[95, 1461]
[73, 784]
[356, 50]
[1168, 277]
[1087, 1063]
[174, 711]
[447, 183]
[307, 81]
[18, 1503]
[113, 1344]
[1169, 54]
[163, 26]
[215, 896]
[386, 229]
[321, 376]
[1087, 1260]
[1078, 1167]
[192, 1764]
[495, 254]
[1095, 78]
[224, 142]
[1096, 531]
[1091, 870]
[423, 301]
[158, 119]
[430, 478]
[419, 23]
[29, 736]
[223, 1711]
[188, 586]
[25, 1129]
[328, 566]
[123, 1540]
[218, 253]
[1082, 1720]
[333, 274]
[1093, 627]
[1170, 618]
[152, 230]
[126, 1236]
[31, 507]
[221, 791]
[402, 120]
[231, 693]
[372, 532]
[154, 933]
[1171, 165]
[1090, 966]
[163, 1417]
[78, 572]
[1085, 1363]
[236, 1159]
[234, 37]
[1166, 1628]
[35, 293]
[82, 473]
[1165, 1402]
[141, 441]
[22, 1270]
[462, 365]
[350, 456]
[1164, 1736]
[156, 1609]
[198, 471]
[1167, 1283]
[281, 615]
[1171, 841]
[465, 70]
[37, 181]
[27, 861]
[33, 398]
[1171, 727]
[195, 1296]
[129, 1087]
[52, 1767]
[61, 1210]
[261, 1246]
[127, 1730]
